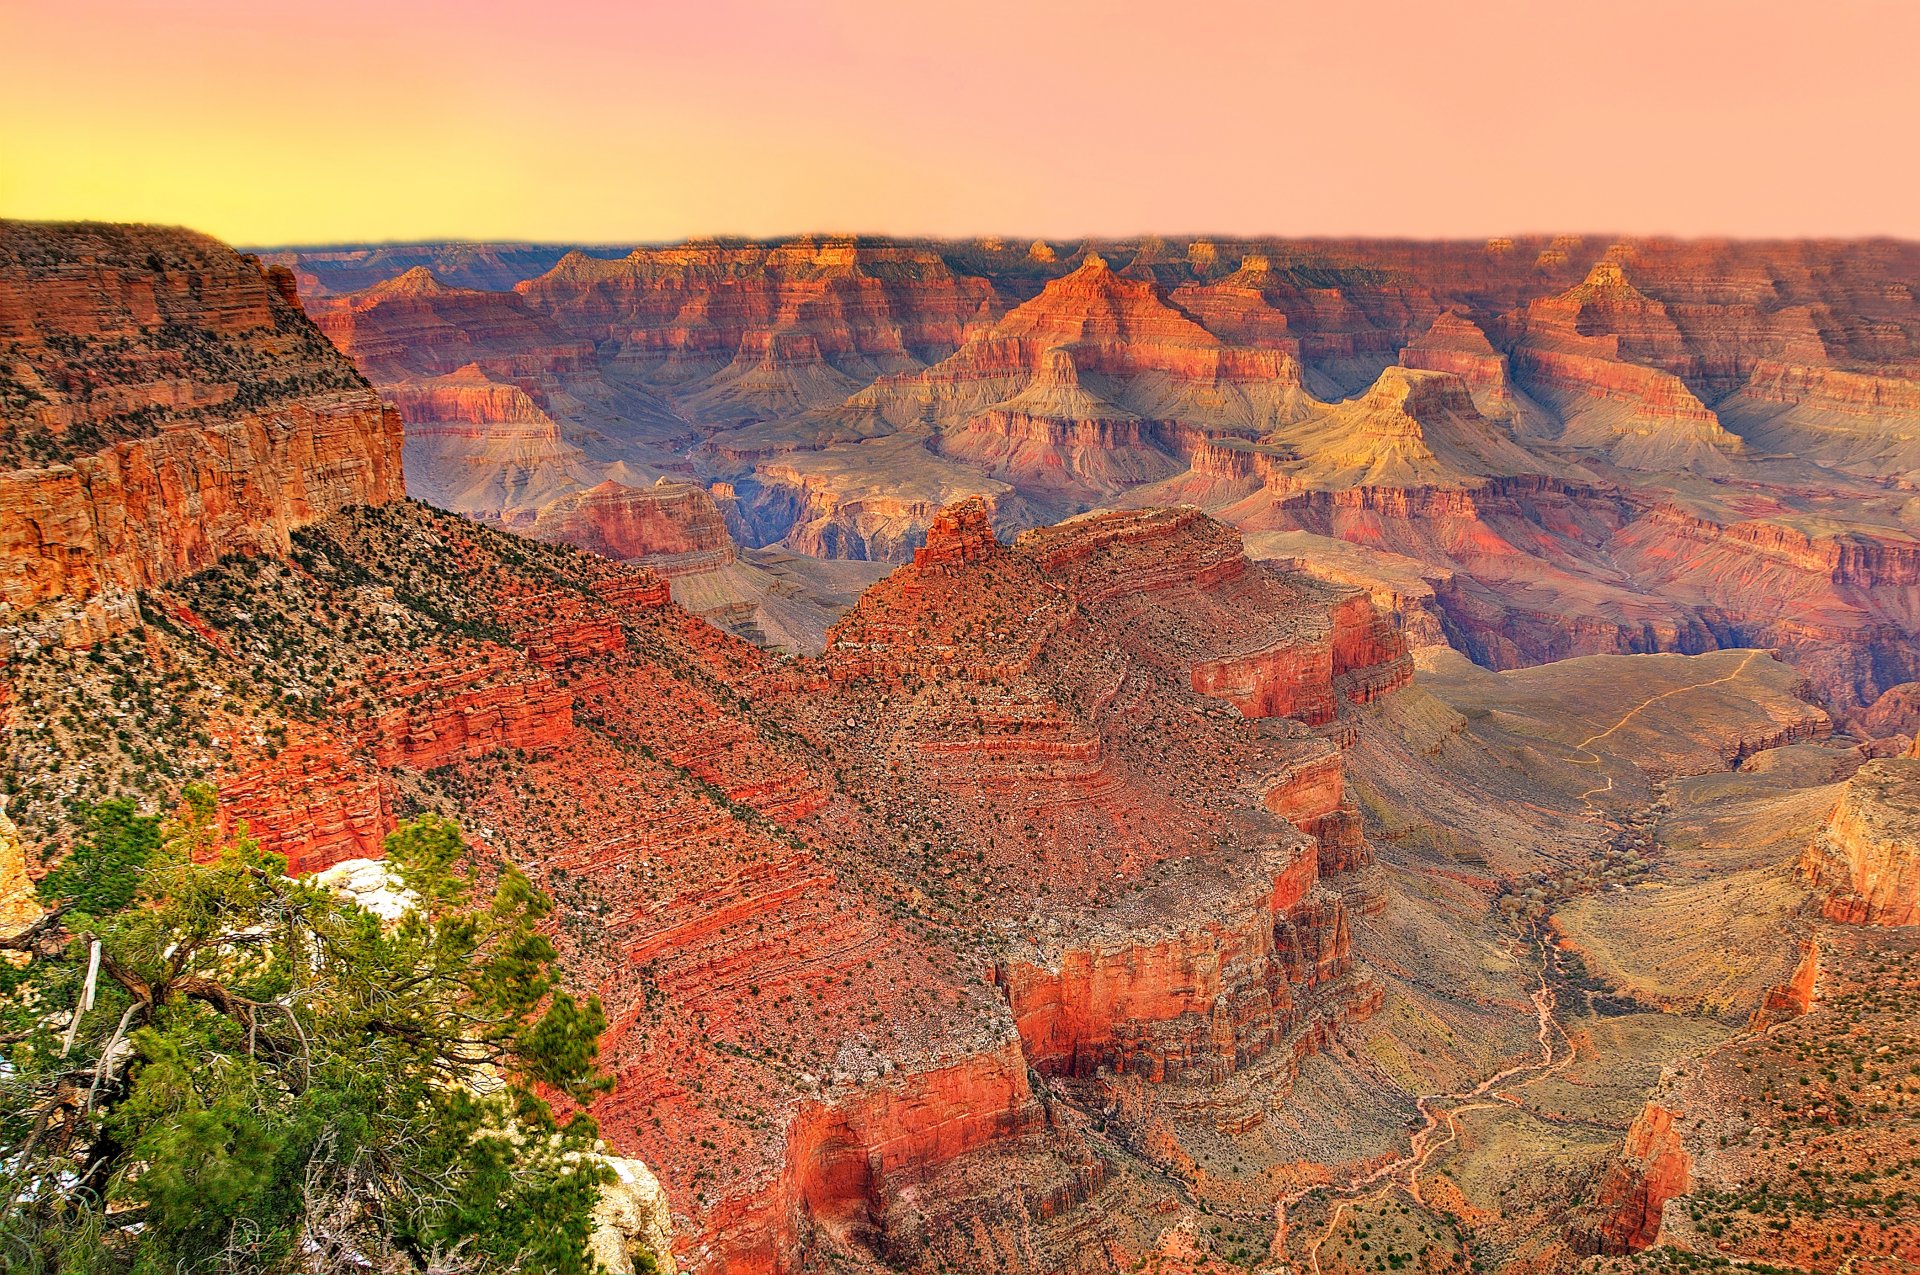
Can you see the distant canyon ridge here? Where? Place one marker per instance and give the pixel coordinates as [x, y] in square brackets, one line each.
[1527, 448]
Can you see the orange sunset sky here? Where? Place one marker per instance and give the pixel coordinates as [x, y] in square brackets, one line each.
[267, 122]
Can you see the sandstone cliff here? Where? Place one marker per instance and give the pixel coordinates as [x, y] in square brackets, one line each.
[842, 910]
[1653, 1168]
[1867, 857]
[673, 527]
[168, 404]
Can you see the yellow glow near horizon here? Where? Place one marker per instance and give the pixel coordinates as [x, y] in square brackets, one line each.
[265, 121]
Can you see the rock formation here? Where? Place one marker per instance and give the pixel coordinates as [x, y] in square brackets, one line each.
[632, 1221]
[1793, 997]
[1653, 1168]
[1411, 429]
[841, 910]
[1867, 857]
[19, 904]
[846, 389]
[168, 404]
[1571, 353]
[789, 327]
[673, 527]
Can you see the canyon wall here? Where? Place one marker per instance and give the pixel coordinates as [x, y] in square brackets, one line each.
[168, 404]
[1654, 1167]
[1867, 857]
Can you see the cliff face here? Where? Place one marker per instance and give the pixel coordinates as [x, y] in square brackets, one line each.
[1867, 857]
[1653, 1168]
[840, 909]
[1098, 384]
[1574, 352]
[167, 404]
[1793, 997]
[1457, 345]
[673, 527]
[847, 389]
[415, 325]
[19, 905]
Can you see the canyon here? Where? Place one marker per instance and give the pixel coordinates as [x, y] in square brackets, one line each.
[1590, 446]
[1186, 756]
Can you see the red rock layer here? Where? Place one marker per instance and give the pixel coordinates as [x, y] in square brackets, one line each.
[1654, 1167]
[1179, 587]
[1456, 344]
[138, 461]
[414, 325]
[1055, 435]
[1867, 857]
[1116, 328]
[1793, 997]
[1577, 353]
[1850, 393]
[313, 802]
[851, 297]
[147, 512]
[1185, 972]
[461, 709]
[735, 332]
[1205, 1002]
[740, 846]
[673, 527]
[1346, 323]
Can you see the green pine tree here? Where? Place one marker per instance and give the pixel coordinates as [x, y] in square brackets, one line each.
[267, 1077]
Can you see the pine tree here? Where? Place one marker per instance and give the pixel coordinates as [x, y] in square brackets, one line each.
[208, 1066]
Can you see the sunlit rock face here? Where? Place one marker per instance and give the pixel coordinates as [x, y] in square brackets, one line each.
[168, 403]
[1867, 857]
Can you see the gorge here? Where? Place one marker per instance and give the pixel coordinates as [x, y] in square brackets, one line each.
[1184, 756]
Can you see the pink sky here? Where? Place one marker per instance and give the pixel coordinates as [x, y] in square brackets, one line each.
[268, 121]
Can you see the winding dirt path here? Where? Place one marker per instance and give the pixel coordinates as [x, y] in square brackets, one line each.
[1440, 1113]
[1594, 759]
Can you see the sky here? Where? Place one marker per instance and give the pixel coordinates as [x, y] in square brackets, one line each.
[274, 122]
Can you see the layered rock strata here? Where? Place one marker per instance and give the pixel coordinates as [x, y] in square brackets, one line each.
[1867, 857]
[167, 404]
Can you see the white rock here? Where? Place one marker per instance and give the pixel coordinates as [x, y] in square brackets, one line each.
[631, 1218]
[368, 883]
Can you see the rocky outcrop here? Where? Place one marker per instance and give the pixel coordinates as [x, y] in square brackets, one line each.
[1203, 1002]
[1055, 434]
[484, 447]
[460, 709]
[1343, 319]
[1587, 353]
[632, 1226]
[1653, 1167]
[178, 407]
[871, 502]
[673, 527]
[315, 803]
[19, 902]
[1895, 712]
[1411, 429]
[413, 325]
[1455, 344]
[1792, 998]
[765, 328]
[1271, 645]
[1867, 857]
[1854, 421]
